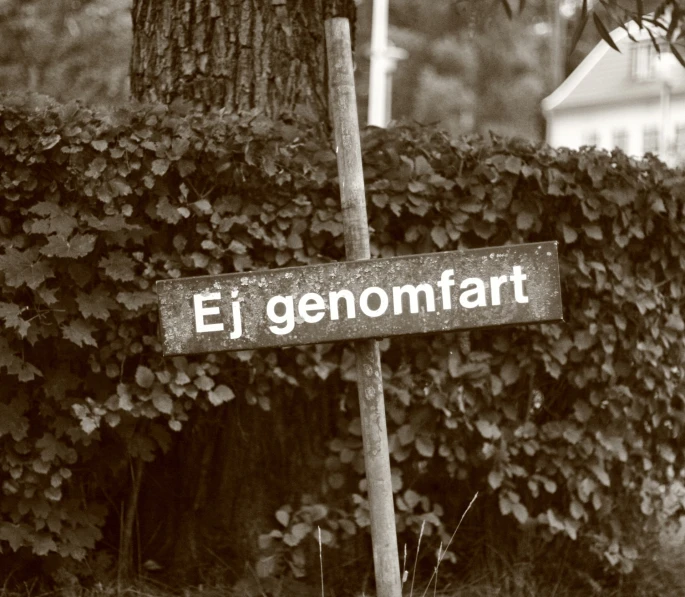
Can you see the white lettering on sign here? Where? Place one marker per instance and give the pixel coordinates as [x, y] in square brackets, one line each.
[518, 279]
[413, 293]
[200, 311]
[364, 301]
[288, 317]
[373, 302]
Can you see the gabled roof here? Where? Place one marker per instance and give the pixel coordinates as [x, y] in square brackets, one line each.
[592, 83]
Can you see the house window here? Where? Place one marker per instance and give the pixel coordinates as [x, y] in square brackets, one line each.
[590, 138]
[620, 138]
[650, 140]
[643, 60]
[680, 140]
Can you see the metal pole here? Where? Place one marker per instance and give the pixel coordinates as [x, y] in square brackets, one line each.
[369, 380]
[378, 70]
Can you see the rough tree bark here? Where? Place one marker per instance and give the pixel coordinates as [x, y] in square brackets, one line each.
[239, 54]
[230, 469]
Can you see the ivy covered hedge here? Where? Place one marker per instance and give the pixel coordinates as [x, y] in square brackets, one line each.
[566, 430]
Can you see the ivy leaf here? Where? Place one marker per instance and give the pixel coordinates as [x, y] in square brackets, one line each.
[510, 372]
[14, 534]
[12, 422]
[135, 300]
[118, 266]
[79, 246]
[24, 267]
[43, 544]
[95, 304]
[11, 313]
[220, 394]
[79, 332]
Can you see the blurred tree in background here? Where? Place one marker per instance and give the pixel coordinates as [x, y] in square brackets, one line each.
[469, 66]
[68, 49]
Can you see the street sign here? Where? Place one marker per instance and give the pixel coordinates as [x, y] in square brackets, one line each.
[436, 292]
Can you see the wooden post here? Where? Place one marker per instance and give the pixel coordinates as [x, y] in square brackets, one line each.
[369, 381]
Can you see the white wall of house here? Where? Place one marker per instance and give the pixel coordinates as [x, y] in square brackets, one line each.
[616, 99]
[628, 126]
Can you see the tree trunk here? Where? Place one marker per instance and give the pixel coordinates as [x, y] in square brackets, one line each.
[241, 54]
[229, 470]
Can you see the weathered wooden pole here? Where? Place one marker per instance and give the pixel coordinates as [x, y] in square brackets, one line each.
[343, 104]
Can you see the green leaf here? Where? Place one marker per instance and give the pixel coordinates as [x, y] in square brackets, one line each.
[488, 430]
[439, 236]
[24, 267]
[160, 166]
[425, 446]
[118, 266]
[220, 394]
[79, 246]
[135, 300]
[603, 32]
[163, 403]
[570, 235]
[15, 534]
[495, 479]
[283, 516]
[520, 512]
[510, 372]
[96, 304]
[593, 231]
[300, 530]
[11, 313]
[145, 377]
[79, 332]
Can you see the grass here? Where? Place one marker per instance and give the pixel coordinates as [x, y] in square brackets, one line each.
[660, 573]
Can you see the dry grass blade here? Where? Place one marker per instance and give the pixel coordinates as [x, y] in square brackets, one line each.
[321, 561]
[442, 556]
[416, 558]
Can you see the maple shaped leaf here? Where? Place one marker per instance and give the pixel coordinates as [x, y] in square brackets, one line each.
[79, 332]
[95, 304]
[15, 365]
[134, 300]
[12, 422]
[79, 246]
[118, 266]
[14, 534]
[24, 267]
[11, 313]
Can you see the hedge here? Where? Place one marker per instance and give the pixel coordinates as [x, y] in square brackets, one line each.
[564, 429]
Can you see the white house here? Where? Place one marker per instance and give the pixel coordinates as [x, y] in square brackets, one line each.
[634, 100]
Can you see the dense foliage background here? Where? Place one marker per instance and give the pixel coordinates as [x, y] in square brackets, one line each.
[112, 454]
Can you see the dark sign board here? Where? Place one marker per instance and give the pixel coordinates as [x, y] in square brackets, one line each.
[436, 292]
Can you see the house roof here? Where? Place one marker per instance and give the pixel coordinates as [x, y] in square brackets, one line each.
[604, 76]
